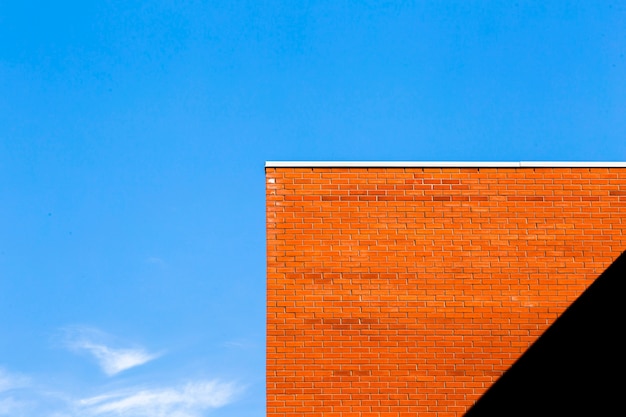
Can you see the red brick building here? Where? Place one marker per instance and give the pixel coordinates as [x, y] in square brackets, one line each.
[404, 289]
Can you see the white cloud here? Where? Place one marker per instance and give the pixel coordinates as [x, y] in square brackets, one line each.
[235, 344]
[189, 400]
[9, 407]
[112, 360]
[154, 260]
[9, 381]
[21, 397]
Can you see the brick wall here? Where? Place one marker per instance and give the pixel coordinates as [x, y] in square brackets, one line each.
[409, 291]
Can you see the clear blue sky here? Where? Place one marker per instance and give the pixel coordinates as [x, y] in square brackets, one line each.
[133, 137]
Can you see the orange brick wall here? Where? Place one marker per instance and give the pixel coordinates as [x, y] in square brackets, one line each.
[409, 291]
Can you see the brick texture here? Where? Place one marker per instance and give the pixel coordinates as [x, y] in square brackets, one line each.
[403, 292]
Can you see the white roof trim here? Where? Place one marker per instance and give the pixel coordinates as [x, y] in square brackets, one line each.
[442, 164]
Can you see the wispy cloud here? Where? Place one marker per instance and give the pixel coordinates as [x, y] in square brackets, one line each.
[19, 397]
[189, 400]
[10, 381]
[239, 344]
[112, 360]
[156, 261]
[9, 406]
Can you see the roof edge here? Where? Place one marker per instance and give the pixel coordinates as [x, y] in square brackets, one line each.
[444, 164]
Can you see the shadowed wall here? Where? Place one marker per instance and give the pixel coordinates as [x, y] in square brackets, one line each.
[577, 366]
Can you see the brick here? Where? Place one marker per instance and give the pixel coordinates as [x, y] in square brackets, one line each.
[409, 291]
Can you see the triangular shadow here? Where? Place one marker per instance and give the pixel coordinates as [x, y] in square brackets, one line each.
[574, 368]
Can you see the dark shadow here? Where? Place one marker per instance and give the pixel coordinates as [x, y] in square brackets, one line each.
[577, 366]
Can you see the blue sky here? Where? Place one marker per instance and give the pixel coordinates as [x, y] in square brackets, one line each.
[133, 137]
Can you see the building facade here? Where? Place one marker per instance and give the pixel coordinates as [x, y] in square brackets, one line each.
[404, 289]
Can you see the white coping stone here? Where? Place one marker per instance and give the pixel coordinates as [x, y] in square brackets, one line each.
[443, 164]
